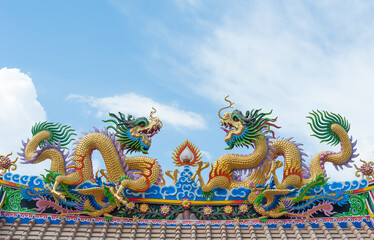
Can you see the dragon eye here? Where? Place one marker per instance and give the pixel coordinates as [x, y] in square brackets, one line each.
[235, 118]
[141, 123]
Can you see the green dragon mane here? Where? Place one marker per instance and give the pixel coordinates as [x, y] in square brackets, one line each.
[321, 126]
[122, 128]
[254, 122]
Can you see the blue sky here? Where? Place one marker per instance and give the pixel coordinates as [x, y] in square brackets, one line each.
[74, 61]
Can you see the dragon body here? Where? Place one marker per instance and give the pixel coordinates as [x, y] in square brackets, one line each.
[131, 134]
[255, 129]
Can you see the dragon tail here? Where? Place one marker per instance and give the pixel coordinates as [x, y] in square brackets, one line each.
[49, 141]
[42, 203]
[59, 134]
[332, 129]
[322, 202]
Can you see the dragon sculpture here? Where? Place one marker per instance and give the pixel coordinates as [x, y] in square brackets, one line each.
[93, 199]
[69, 172]
[255, 129]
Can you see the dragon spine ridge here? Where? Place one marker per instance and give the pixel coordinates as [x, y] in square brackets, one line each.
[304, 166]
[47, 146]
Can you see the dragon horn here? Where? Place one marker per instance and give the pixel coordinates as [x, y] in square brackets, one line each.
[152, 112]
[151, 116]
[231, 103]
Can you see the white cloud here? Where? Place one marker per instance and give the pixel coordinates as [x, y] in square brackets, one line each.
[141, 106]
[293, 58]
[19, 111]
[206, 155]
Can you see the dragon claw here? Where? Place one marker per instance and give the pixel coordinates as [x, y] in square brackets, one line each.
[276, 165]
[119, 200]
[200, 167]
[56, 195]
[173, 176]
[118, 196]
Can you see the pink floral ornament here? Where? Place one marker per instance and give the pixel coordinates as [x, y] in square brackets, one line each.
[130, 205]
[366, 169]
[207, 211]
[186, 203]
[164, 209]
[143, 208]
[228, 209]
[243, 208]
[5, 162]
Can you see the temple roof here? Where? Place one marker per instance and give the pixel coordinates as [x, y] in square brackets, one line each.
[34, 226]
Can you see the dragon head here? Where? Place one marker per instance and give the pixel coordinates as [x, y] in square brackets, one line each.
[242, 129]
[135, 134]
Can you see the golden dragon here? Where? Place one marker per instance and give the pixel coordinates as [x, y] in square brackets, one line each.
[255, 129]
[136, 173]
